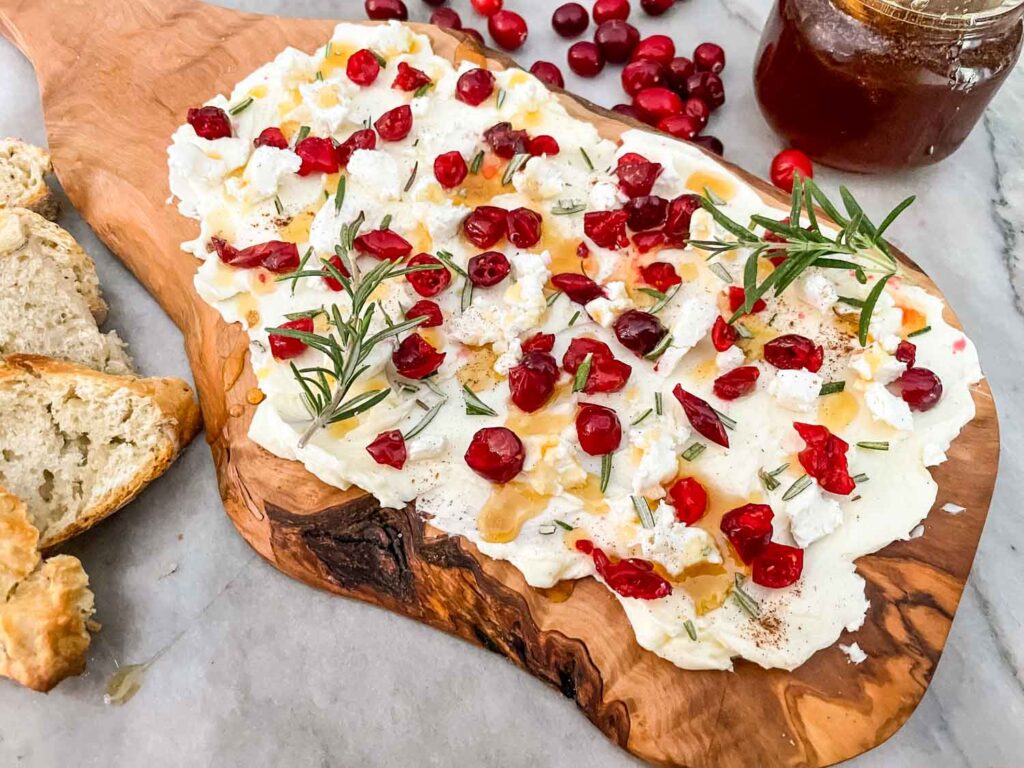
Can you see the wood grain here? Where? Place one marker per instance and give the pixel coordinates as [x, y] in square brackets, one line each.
[116, 78]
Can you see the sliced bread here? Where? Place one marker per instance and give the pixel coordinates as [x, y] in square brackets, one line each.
[49, 296]
[76, 445]
[44, 605]
[23, 168]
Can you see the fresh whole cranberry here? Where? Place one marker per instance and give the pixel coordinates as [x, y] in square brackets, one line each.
[660, 275]
[428, 282]
[318, 156]
[627, 110]
[723, 335]
[787, 164]
[410, 78]
[678, 72]
[711, 144]
[415, 358]
[365, 138]
[210, 122]
[598, 429]
[474, 87]
[737, 383]
[611, 10]
[793, 351]
[488, 269]
[637, 174]
[485, 226]
[606, 228]
[548, 73]
[748, 529]
[362, 67]
[655, 104]
[697, 109]
[689, 499]
[542, 145]
[646, 212]
[677, 220]
[585, 59]
[486, 7]
[920, 388]
[659, 48]
[579, 288]
[778, 566]
[656, 7]
[702, 416]
[388, 449]
[709, 57]
[450, 169]
[906, 353]
[640, 74]
[275, 255]
[824, 458]
[631, 577]
[271, 137]
[505, 141]
[638, 331]
[496, 454]
[446, 18]
[381, 10]
[706, 86]
[539, 342]
[532, 382]
[737, 298]
[606, 373]
[617, 40]
[508, 29]
[286, 347]
[395, 124]
[681, 126]
[434, 3]
[524, 227]
[427, 309]
[383, 244]
[570, 19]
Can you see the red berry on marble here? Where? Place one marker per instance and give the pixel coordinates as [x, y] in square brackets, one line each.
[548, 73]
[787, 164]
[702, 417]
[737, 382]
[706, 86]
[496, 454]
[611, 10]
[655, 104]
[689, 499]
[486, 7]
[656, 7]
[488, 269]
[447, 18]
[585, 58]
[209, 122]
[285, 347]
[474, 86]
[920, 388]
[388, 449]
[362, 67]
[748, 529]
[598, 429]
[617, 40]
[709, 57]
[415, 358]
[485, 226]
[697, 109]
[381, 10]
[395, 124]
[792, 352]
[271, 137]
[778, 566]
[524, 227]
[508, 29]
[660, 275]
[450, 169]
[638, 331]
[679, 70]
[570, 20]
[532, 382]
[428, 282]
[681, 126]
[383, 244]
[640, 74]
[659, 48]
[427, 309]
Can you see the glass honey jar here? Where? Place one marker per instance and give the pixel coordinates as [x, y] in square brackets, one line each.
[881, 85]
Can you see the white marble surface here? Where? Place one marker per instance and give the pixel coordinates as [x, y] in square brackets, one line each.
[259, 670]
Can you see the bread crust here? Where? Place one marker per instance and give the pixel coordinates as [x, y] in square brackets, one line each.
[40, 198]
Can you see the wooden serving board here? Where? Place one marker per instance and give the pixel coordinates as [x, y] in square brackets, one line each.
[116, 78]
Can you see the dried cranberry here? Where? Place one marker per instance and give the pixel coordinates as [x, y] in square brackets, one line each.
[585, 59]
[697, 109]
[906, 352]
[737, 382]
[486, 7]
[920, 388]
[660, 275]
[395, 124]
[656, 7]
[617, 40]
[655, 104]
[388, 448]
[709, 57]
[702, 416]
[532, 382]
[381, 10]
[737, 297]
[474, 86]
[524, 227]
[606, 228]
[410, 78]
[606, 373]
[383, 244]
[748, 529]
[428, 282]
[415, 358]
[778, 566]
[543, 145]
[450, 169]
[506, 142]
[689, 499]
[508, 29]
[317, 155]
[683, 127]
[570, 19]
[824, 458]
[787, 164]
[610, 10]
[365, 138]
[271, 137]
[548, 73]
[707, 87]
[598, 429]
[429, 310]
[723, 335]
[446, 18]
[646, 212]
[487, 269]
[539, 342]
[659, 48]
[209, 122]
[636, 174]
[792, 351]
[711, 144]
[496, 454]
[362, 67]
[679, 71]
[677, 221]
[630, 578]
[648, 241]
[485, 226]
[286, 347]
[638, 331]
[275, 255]
[578, 288]
[330, 280]
[641, 74]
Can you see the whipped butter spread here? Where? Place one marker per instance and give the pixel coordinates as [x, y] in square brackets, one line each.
[552, 520]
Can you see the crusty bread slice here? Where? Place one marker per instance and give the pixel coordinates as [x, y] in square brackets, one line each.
[45, 608]
[23, 168]
[77, 445]
[49, 296]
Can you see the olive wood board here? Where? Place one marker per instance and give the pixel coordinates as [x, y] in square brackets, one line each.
[117, 77]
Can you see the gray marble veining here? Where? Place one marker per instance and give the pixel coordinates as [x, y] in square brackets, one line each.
[258, 670]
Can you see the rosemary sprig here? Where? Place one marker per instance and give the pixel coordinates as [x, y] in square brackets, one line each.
[425, 421]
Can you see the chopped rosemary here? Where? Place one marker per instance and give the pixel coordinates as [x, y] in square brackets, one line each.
[582, 373]
[553, 298]
[850, 301]
[663, 344]
[564, 525]
[831, 388]
[861, 478]
[574, 318]
[241, 106]
[721, 272]
[412, 176]
[641, 417]
[695, 450]
[799, 485]
[466, 299]
[298, 273]
[919, 331]
[385, 223]
[278, 205]
[586, 158]
[643, 511]
[657, 403]
[514, 165]
[380, 59]
[728, 422]
[425, 421]
[746, 602]
[690, 629]
[768, 479]
[606, 471]
[339, 194]
[319, 76]
[302, 134]
[568, 207]
[449, 261]
[477, 161]
[422, 90]
[654, 293]
[500, 99]
[882, 445]
[306, 314]
[669, 295]
[474, 405]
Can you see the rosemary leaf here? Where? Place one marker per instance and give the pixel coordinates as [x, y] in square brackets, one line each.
[478, 160]
[643, 511]
[474, 405]
[606, 471]
[881, 445]
[691, 630]
[553, 298]
[641, 417]
[831, 388]
[721, 272]
[695, 450]
[586, 158]
[919, 332]
[412, 176]
[425, 421]
[568, 207]
[339, 194]
[657, 403]
[514, 165]
[564, 525]
[800, 485]
[241, 106]
[583, 373]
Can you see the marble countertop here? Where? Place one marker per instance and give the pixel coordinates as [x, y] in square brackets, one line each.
[255, 669]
